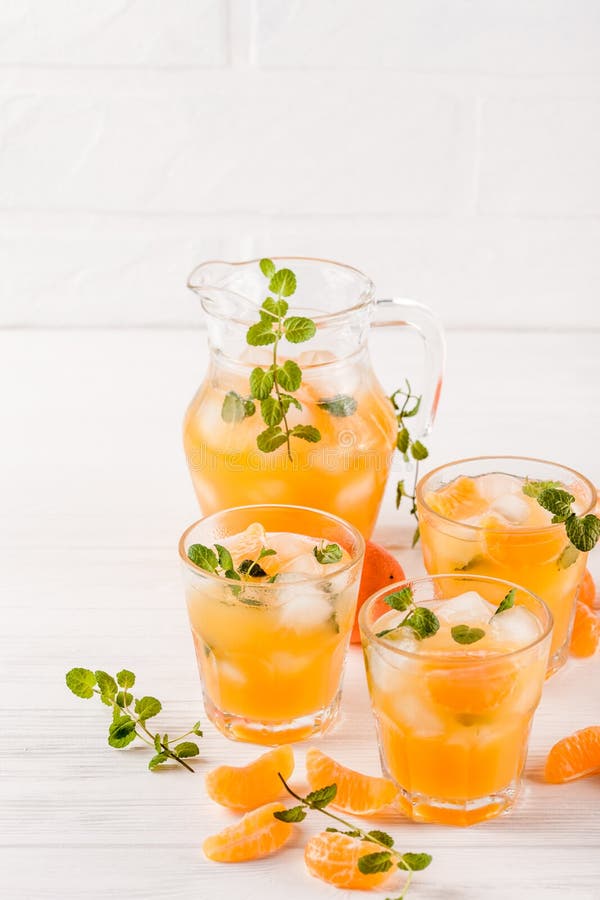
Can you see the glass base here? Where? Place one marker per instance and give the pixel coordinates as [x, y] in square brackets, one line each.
[421, 808]
[239, 728]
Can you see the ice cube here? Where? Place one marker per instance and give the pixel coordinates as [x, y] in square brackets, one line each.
[516, 627]
[302, 564]
[497, 484]
[388, 669]
[303, 606]
[415, 713]
[465, 609]
[513, 508]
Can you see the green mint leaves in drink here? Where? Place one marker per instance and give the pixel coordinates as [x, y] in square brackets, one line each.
[583, 531]
[130, 715]
[421, 620]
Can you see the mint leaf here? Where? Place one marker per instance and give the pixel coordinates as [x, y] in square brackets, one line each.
[270, 439]
[283, 282]
[299, 329]
[401, 599]
[261, 383]
[463, 634]
[414, 862]
[375, 862]
[233, 409]
[121, 732]
[107, 685]
[81, 682]
[157, 760]
[419, 451]
[287, 400]
[340, 406]
[423, 622]
[567, 557]
[196, 729]
[277, 308]
[147, 707]
[557, 502]
[251, 568]
[225, 559]
[266, 551]
[125, 678]
[124, 698]
[508, 602]
[322, 797]
[260, 334]
[203, 557]
[328, 553]
[249, 408]
[271, 411]
[583, 532]
[403, 440]
[294, 814]
[382, 836]
[289, 375]
[267, 267]
[186, 749]
[306, 433]
[535, 488]
[400, 493]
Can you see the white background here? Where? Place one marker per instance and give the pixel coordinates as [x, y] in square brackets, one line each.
[451, 150]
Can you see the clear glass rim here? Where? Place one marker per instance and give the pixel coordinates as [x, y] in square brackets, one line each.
[308, 579]
[519, 529]
[444, 658]
[366, 295]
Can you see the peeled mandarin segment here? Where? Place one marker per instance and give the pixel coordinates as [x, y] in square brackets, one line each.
[257, 834]
[246, 787]
[458, 500]
[587, 590]
[334, 858]
[472, 693]
[247, 544]
[575, 756]
[518, 547]
[585, 636]
[361, 795]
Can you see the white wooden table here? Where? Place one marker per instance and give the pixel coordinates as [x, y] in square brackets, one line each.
[95, 493]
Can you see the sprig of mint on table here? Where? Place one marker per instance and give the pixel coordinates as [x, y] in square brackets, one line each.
[130, 723]
[424, 622]
[405, 408]
[381, 861]
[583, 531]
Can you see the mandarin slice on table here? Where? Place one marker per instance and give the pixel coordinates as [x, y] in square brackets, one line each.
[575, 756]
[333, 857]
[585, 636]
[361, 795]
[257, 834]
[458, 500]
[380, 569]
[246, 787]
[587, 590]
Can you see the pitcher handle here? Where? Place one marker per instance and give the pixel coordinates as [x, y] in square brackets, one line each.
[422, 319]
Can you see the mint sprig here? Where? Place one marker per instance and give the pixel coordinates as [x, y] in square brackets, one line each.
[507, 603]
[127, 723]
[380, 861]
[406, 405]
[423, 622]
[326, 554]
[583, 531]
[220, 562]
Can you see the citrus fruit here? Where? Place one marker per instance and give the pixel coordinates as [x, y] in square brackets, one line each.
[586, 631]
[361, 795]
[333, 857]
[472, 693]
[246, 787]
[380, 569]
[587, 590]
[458, 500]
[575, 756]
[257, 834]
[513, 546]
[247, 544]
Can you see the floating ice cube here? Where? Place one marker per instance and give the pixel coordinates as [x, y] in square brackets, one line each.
[303, 606]
[493, 485]
[516, 626]
[302, 564]
[513, 508]
[465, 609]
[414, 712]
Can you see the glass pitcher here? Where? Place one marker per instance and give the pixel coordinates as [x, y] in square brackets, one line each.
[330, 444]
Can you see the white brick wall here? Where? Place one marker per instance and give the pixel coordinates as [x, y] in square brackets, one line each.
[450, 149]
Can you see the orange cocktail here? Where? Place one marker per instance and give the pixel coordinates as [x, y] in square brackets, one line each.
[272, 619]
[454, 703]
[482, 516]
